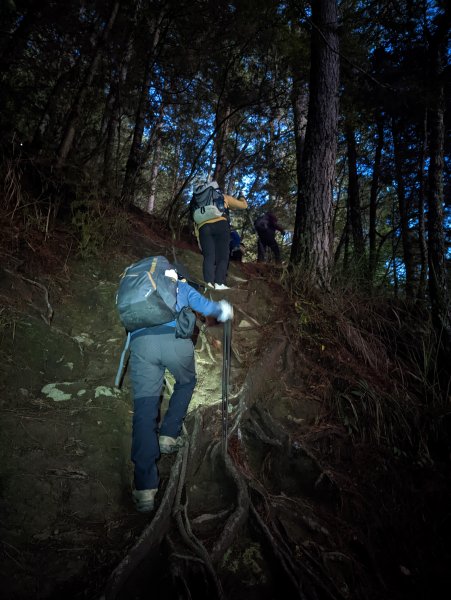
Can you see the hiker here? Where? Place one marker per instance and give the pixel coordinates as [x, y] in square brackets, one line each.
[236, 248]
[266, 226]
[152, 351]
[209, 210]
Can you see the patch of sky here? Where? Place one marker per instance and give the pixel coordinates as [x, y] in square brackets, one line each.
[398, 265]
[364, 170]
[155, 94]
[432, 10]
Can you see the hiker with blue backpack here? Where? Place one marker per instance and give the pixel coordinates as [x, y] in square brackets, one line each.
[156, 308]
[209, 209]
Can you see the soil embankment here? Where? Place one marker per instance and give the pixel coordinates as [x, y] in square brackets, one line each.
[295, 505]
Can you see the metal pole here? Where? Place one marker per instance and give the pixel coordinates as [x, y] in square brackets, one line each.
[226, 346]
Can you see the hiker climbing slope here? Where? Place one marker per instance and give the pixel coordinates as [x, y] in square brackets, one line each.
[153, 349]
[209, 210]
[266, 226]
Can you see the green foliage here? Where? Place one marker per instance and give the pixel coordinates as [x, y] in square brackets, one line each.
[97, 226]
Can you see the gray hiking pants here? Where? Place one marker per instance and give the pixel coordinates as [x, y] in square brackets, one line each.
[150, 356]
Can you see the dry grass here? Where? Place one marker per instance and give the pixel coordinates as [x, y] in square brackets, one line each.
[379, 359]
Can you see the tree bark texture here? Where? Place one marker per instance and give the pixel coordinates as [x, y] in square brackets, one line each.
[311, 248]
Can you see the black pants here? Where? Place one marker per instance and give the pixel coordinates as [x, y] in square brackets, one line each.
[214, 240]
[267, 239]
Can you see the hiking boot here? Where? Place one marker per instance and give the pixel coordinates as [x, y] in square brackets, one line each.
[144, 499]
[221, 286]
[169, 445]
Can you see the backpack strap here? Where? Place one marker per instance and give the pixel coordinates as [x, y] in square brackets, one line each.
[121, 368]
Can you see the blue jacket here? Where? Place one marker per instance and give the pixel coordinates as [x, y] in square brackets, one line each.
[186, 296]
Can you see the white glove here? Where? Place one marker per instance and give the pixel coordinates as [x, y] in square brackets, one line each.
[226, 313]
[172, 273]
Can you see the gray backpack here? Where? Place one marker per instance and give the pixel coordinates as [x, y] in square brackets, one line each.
[146, 297]
[207, 203]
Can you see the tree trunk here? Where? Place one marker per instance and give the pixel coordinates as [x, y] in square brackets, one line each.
[46, 126]
[437, 283]
[404, 215]
[110, 125]
[135, 157]
[422, 285]
[355, 211]
[156, 137]
[312, 248]
[74, 113]
[299, 102]
[372, 259]
[223, 129]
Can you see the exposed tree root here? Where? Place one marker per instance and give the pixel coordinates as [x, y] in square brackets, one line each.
[190, 560]
[49, 314]
[256, 381]
[205, 344]
[281, 556]
[237, 519]
[185, 530]
[151, 537]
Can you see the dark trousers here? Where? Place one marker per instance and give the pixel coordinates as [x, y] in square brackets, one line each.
[267, 239]
[150, 356]
[214, 240]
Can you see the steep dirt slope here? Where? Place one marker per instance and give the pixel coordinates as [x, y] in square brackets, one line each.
[67, 515]
[299, 504]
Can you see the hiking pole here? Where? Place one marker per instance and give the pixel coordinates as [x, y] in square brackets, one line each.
[226, 346]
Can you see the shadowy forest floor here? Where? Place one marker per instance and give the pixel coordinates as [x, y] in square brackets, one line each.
[337, 480]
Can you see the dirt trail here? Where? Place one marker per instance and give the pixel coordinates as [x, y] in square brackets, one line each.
[67, 516]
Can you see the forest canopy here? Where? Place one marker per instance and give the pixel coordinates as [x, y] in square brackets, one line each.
[331, 113]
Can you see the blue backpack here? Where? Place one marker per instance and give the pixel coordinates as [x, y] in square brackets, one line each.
[146, 298]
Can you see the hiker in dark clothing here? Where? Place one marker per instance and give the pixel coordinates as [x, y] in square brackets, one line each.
[236, 250]
[266, 226]
[152, 351]
[213, 235]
